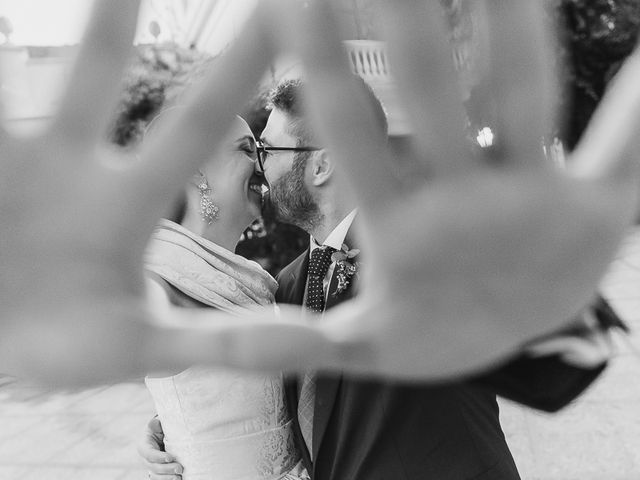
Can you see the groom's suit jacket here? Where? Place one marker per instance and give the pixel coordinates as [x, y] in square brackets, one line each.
[381, 430]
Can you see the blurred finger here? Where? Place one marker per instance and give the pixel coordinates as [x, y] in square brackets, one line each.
[4, 135]
[422, 62]
[521, 78]
[608, 150]
[264, 341]
[344, 109]
[3, 114]
[582, 352]
[352, 337]
[188, 137]
[89, 99]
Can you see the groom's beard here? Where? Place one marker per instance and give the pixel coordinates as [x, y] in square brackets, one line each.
[291, 200]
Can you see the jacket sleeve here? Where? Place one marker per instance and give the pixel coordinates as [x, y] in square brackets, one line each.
[555, 369]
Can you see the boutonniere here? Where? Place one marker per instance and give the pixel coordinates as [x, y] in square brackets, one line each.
[346, 267]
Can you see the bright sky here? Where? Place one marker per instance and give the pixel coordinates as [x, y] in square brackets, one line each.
[54, 22]
[46, 22]
[62, 22]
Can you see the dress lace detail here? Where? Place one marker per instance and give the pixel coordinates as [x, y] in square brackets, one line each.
[221, 424]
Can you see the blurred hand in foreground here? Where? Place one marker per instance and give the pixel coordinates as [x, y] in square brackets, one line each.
[468, 255]
[76, 214]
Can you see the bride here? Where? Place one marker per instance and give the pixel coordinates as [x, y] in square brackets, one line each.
[219, 423]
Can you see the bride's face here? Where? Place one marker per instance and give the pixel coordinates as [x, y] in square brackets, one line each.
[231, 174]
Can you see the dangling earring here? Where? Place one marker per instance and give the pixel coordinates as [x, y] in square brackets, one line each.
[208, 210]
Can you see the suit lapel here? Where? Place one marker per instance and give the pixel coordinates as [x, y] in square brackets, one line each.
[291, 290]
[327, 386]
[297, 280]
[326, 392]
[335, 298]
[292, 282]
[291, 392]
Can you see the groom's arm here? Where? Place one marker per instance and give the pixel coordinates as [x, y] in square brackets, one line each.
[554, 370]
[161, 465]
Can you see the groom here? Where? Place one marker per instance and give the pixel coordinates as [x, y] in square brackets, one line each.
[359, 429]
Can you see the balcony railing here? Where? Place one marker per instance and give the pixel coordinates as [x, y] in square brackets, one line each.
[369, 60]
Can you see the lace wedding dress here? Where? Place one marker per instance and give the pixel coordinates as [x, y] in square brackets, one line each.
[225, 425]
[218, 423]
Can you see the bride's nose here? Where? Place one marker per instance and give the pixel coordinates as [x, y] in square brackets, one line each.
[257, 168]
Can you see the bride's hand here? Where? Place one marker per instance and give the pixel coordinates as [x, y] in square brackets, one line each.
[151, 450]
[466, 256]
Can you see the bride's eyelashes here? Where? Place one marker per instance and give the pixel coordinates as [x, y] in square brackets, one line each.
[248, 147]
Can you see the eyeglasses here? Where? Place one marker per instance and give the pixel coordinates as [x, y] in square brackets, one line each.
[261, 151]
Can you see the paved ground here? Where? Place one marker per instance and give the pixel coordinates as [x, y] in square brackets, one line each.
[91, 434]
[598, 437]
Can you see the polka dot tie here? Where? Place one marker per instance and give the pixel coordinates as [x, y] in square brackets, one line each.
[318, 268]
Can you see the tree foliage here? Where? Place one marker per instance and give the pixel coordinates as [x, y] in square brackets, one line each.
[156, 77]
[597, 37]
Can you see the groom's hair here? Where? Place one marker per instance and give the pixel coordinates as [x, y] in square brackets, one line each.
[288, 96]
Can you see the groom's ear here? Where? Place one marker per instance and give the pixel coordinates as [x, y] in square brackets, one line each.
[321, 168]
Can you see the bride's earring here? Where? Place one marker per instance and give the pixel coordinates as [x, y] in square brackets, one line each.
[208, 210]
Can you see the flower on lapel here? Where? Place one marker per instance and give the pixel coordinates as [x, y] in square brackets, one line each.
[346, 267]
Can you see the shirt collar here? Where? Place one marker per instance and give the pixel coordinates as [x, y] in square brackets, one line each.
[336, 238]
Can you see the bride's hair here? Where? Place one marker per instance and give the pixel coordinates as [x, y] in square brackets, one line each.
[287, 96]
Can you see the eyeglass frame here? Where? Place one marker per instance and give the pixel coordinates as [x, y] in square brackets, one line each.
[261, 149]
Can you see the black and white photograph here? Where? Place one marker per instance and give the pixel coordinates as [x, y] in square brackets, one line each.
[320, 239]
